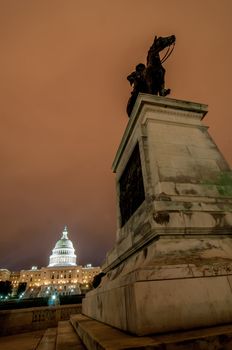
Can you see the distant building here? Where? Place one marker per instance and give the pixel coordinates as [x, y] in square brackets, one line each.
[4, 275]
[63, 254]
[14, 279]
[62, 275]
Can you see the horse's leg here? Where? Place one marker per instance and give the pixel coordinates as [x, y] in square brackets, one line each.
[149, 80]
[162, 90]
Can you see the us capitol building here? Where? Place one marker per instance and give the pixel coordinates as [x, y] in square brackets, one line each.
[62, 275]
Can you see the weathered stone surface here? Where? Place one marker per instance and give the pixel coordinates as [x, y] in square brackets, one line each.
[25, 320]
[63, 337]
[140, 301]
[26, 341]
[96, 335]
[49, 340]
[175, 251]
[67, 338]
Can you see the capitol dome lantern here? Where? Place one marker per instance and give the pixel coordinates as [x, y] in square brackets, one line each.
[63, 254]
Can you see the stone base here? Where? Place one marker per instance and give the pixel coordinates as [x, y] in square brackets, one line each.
[148, 307]
[171, 266]
[96, 335]
[169, 285]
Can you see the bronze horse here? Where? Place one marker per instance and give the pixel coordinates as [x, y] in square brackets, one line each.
[150, 79]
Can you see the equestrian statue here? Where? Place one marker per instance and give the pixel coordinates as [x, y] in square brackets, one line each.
[150, 78]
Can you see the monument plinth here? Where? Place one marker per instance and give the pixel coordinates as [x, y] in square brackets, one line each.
[171, 266]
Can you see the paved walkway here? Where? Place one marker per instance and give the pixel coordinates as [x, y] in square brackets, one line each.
[25, 341]
[62, 337]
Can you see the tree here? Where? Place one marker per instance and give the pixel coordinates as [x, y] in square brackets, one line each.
[21, 288]
[5, 288]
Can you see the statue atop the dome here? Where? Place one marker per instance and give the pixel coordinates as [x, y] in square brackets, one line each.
[150, 78]
[65, 233]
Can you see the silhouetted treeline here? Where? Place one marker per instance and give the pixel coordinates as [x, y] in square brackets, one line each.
[21, 288]
[5, 288]
[36, 302]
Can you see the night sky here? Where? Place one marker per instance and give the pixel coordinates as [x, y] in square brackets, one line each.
[63, 93]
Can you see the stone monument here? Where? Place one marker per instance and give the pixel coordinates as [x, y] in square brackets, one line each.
[171, 266]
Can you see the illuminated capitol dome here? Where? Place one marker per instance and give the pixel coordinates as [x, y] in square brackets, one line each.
[63, 254]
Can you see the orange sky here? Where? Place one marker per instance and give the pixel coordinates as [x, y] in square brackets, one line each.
[63, 93]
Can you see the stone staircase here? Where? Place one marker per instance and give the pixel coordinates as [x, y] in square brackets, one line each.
[67, 338]
[62, 337]
[99, 336]
[48, 340]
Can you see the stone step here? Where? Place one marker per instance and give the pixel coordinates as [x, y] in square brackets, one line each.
[48, 341]
[67, 338]
[96, 335]
[22, 341]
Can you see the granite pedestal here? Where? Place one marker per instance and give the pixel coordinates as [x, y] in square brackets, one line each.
[171, 266]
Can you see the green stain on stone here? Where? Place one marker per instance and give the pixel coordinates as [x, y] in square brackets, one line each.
[223, 183]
